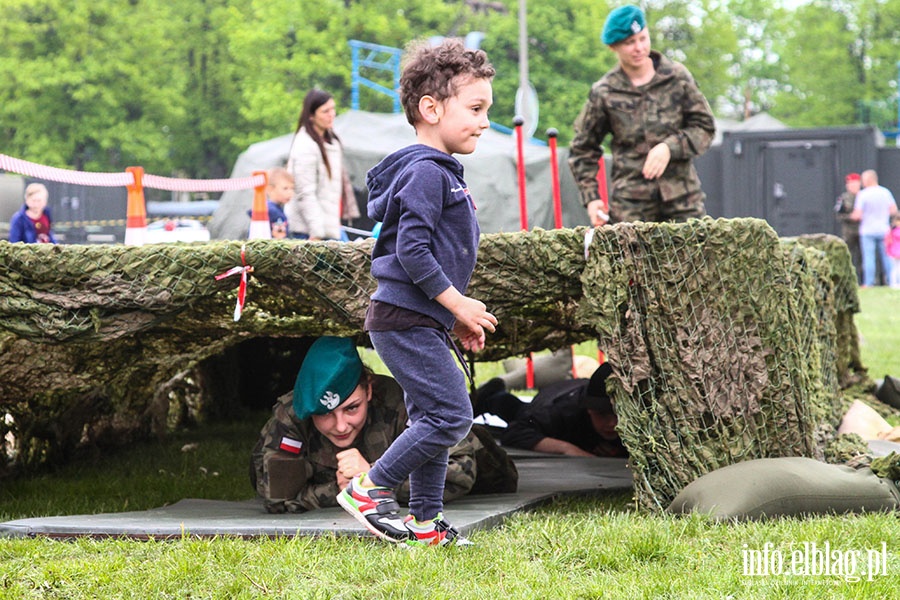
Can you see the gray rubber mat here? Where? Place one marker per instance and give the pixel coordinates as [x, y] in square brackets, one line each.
[541, 478]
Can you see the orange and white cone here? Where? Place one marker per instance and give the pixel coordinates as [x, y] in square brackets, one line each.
[260, 229]
[136, 218]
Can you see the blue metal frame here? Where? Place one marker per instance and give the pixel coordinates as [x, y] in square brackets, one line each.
[387, 58]
[380, 58]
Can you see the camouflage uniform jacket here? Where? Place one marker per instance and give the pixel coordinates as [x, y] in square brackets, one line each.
[844, 207]
[313, 472]
[670, 108]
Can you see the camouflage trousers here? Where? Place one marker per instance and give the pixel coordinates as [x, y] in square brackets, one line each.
[655, 209]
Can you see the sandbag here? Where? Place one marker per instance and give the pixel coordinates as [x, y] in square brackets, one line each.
[787, 486]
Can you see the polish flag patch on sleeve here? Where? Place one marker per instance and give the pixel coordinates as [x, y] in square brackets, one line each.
[289, 445]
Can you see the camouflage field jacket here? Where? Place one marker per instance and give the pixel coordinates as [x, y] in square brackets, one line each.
[670, 108]
[296, 482]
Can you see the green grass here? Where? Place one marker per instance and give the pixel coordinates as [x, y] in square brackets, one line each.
[574, 548]
[879, 325]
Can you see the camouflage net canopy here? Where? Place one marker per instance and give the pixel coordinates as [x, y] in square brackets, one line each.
[726, 343]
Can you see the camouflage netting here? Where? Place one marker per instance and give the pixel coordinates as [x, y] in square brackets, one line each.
[849, 367]
[722, 337]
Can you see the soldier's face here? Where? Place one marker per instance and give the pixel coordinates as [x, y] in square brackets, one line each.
[343, 425]
[853, 186]
[634, 50]
[604, 424]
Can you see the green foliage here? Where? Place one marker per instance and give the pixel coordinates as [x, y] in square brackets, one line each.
[684, 31]
[812, 100]
[565, 57]
[840, 66]
[76, 88]
[757, 73]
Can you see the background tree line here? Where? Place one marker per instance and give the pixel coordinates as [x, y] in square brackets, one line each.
[182, 87]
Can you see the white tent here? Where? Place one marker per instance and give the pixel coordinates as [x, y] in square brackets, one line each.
[759, 122]
[368, 137]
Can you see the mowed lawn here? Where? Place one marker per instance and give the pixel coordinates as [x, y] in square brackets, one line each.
[575, 548]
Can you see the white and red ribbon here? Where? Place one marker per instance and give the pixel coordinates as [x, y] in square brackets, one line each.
[244, 269]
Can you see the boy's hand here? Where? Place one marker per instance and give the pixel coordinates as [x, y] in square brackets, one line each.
[472, 318]
[470, 341]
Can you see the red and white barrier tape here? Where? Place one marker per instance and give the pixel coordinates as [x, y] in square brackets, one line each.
[201, 185]
[244, 269]
[23, 167]
[15, 165]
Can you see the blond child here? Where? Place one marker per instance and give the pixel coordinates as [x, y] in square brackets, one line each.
[32, 224]
[279, 191]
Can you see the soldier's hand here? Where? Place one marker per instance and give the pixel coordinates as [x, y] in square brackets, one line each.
[598, 213]
[657, 161]
[350, 464]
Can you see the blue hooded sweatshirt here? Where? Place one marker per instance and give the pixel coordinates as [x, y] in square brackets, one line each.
[429, 233]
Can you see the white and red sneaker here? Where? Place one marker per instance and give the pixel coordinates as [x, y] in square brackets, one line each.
[376, 508]
[436, 532]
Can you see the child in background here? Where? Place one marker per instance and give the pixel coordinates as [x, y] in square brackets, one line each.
[279, 191]
[423, 260]
[32, 223]
[892, 247]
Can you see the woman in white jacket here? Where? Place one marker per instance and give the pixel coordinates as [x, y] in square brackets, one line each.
[320, 182]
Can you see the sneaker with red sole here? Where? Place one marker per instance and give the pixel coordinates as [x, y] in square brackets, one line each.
[376, 508]
[436, 532]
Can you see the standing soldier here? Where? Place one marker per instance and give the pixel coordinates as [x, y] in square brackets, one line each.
[850, 228]
[659, 121]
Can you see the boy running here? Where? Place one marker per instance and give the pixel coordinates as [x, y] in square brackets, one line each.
[423, 260]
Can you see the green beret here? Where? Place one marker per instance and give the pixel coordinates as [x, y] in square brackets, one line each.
[330, 372]
[622, 23]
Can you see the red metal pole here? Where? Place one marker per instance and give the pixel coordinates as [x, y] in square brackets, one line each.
[604, 195]
[523, 218]
[552, 134]
[520, 168]
[554, 178]
[601, 185]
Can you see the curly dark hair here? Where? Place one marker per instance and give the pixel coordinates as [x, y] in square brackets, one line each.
[435, 71]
